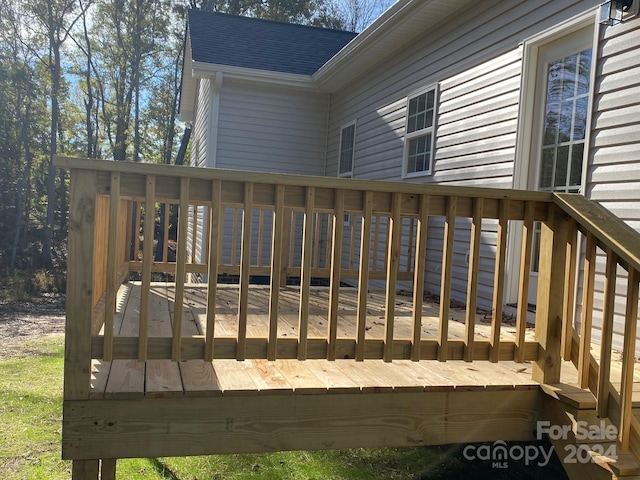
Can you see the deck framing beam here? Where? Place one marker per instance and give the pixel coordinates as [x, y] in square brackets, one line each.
[271, 422]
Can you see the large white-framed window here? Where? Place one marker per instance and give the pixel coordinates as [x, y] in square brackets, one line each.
[419, 140]
[347, 149]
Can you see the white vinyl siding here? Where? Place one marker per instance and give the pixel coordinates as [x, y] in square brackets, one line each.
[199, 134]
[271, 129]
[199, 156]
[347, 150]
[613, 171]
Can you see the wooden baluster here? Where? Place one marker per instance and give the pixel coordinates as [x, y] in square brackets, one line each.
[260, 236]
[589, 274]
[221, 241]
[215, 219]
[245, 269]
[336, 265]
[523, 285]
[352, 240]
[376, 251]
[128, 231]
[363, 276]
[194, 234]
[393, 260]
[472, 279]
[292, 237]
[445, 283]
[305, 274]
[498, 283]
[207, 240]
[165, 251]
[418, 275]
[181, 257]
[136, 233]
[628, 358]
[277, 249]
[234, 238]
[328, 245]
[80, 270]
[606, 339]
[284, 261]
[147, 263]
[549, 303]
[410, 244]
[316, 241]
[569, 298]
[112, 266]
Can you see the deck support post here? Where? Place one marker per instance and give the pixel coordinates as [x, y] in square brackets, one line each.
[550, 300]
[108, 469]
[85, 469]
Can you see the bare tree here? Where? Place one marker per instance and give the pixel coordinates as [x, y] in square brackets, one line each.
[356, 15]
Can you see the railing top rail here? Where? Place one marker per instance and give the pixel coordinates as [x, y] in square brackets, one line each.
[299, 180]
[610, 230]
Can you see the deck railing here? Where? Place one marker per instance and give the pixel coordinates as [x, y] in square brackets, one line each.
[281, 226]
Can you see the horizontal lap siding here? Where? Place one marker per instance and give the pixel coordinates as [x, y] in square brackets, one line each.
[271, 129]
[199, 156]
[199, 150]
[613, 176]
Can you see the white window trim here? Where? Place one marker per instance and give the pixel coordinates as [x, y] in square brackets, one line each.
[524, 131]
[432, 130]
[348, 174]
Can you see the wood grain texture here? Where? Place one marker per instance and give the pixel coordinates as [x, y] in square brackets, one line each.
[550, 299]
[393, 261]
[445, 280]
[336, 266]
[472, 279]
[79, 303]
[163, 427]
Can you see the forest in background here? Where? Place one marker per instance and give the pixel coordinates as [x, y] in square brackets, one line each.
[98, 79]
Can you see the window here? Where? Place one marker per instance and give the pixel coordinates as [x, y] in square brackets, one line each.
[565, 122]
[419, 140]
[347, 150]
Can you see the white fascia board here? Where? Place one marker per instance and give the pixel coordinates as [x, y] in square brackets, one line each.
[366, 39]
[203, 69]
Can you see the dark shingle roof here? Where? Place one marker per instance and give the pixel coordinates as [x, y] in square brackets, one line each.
[224, 39]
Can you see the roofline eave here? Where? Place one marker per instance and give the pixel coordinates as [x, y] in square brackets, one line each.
[252, 75]
[378, 40]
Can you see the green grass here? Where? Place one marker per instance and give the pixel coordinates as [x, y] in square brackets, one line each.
[31, 422]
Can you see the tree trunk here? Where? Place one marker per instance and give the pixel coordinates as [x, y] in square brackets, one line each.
[23, 186]
[54, 66]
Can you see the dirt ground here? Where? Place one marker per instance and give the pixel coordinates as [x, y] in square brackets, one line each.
[23, 322]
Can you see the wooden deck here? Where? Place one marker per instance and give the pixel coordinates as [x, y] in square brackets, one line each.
[164, 378]
[157, 369]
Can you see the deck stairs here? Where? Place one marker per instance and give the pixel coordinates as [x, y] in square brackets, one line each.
[588, 445]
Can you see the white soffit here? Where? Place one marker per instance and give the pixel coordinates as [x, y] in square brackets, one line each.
[396, 27]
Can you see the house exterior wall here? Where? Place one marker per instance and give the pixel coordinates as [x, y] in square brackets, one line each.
[256, 128]
[198, 158]
[613, 173]
[201, 125]
[263, 128]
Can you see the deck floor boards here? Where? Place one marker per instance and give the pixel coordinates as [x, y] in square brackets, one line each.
[162, 378]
